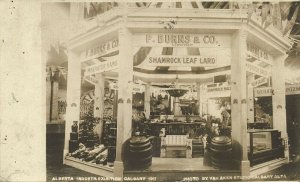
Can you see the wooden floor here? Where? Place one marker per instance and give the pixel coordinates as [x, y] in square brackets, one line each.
[174, 164]
[178, 170]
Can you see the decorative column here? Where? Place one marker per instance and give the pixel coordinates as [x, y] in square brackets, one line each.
[250, 99]
[239, 101]
[147, 101]
[73, 95]
[99, 103]
[124, 117]
[278, 99]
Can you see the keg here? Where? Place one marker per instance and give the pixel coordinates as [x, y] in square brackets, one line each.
[140, 152]
[221, 152]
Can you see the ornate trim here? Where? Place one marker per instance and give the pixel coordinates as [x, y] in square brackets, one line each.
[120, 101]
[235, 101]
[243, 101]
[73, 105]
[128, 101]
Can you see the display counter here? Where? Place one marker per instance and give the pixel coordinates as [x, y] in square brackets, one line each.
[174, 128]
[265, 145]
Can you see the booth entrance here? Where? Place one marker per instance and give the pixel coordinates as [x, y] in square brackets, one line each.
[179, 87]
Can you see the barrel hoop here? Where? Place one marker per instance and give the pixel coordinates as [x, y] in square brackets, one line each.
[140, 146]
[219, 151]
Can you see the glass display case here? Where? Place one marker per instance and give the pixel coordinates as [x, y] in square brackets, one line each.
[264, 145]
[262, 141]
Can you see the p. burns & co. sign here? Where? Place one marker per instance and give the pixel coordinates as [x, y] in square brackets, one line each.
[181, 40]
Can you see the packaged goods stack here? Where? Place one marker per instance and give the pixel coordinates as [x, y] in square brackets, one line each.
[73, 142]
[109, 140]
[198, 148]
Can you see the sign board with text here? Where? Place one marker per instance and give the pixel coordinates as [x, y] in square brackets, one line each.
[259, 81]
[252, 68]
[179, 61]
[91, 79]
[267, 91]
[135, 87]
[219, 91]
[292, 89]
[100, 50]
[258, 53]
[110, 64]
[181, 40]
[263, 92]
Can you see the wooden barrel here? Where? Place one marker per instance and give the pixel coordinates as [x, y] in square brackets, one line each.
[221, 152]
[140, 152]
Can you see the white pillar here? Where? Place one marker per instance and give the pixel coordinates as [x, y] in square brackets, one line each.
[278, 99]
[250, 99]
[73, 95]
[239, 100]
[99, 102]
[55, 101]
[124, 118]
[147, 101]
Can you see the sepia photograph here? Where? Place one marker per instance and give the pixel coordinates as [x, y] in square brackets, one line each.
[169, 91]
[172, 91]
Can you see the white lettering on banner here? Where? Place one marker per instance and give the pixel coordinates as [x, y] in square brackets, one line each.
[101, 49]
[181, 40]
[257, 70]
[168, 60]
[259, 81]
[102, 67]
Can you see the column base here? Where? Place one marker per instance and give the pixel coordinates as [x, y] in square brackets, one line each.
[118, 169]
[66, 151]
[245, 168]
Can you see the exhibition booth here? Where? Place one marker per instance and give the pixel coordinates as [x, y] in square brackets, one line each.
[184, 90]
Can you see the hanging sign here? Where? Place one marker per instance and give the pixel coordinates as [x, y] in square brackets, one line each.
[257, 70]
[179, 61]
[100, 50]
[219, 91]
[267, 91]
[292, 89]
[110, 64]
[259, 81]
[181, 40]
[91, 79]
[135, 88]
[263, 92]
